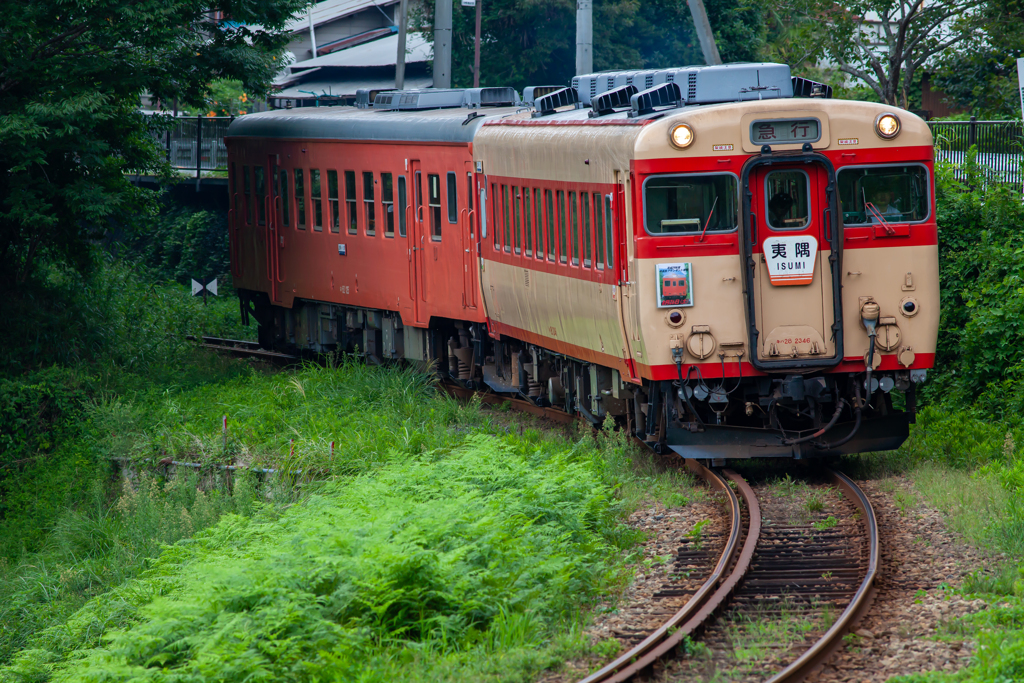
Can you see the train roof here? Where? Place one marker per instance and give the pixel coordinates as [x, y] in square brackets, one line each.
[454, 125]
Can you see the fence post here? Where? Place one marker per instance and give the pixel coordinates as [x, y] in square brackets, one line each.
[972, 132]
[199, 149]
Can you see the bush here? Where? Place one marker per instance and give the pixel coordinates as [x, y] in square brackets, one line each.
[981, 260]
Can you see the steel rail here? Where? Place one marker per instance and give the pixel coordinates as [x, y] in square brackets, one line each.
[708, 598]
[859, 605]
[242, 348]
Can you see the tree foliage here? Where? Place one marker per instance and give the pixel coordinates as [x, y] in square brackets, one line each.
[533, 42]
[982, 73]
[71, 77]
[884, 43]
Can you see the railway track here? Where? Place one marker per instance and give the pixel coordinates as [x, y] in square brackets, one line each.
[763, 571]
[240, 347]
[756, 565]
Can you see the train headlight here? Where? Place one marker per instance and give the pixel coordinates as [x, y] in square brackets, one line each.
[681, 136]
[887, 126]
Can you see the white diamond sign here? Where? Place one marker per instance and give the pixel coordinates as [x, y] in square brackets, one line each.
[791, 259]
[197, 287]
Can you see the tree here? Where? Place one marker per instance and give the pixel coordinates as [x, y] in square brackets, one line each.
[71, 77]
[982, 73]
[909, 34]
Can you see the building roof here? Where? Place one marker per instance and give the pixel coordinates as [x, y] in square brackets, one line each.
[380, 52]
[347, 85]
[324, 12]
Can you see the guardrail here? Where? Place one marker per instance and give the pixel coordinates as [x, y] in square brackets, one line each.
[196, 143]
[999, 144]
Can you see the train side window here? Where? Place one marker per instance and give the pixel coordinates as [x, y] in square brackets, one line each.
[549, 203]
[369, 203]
[434, 205]
[469, 191]
[387, 200]
[418, 191]
[300, 200]
[494, 216]
[286, 209]
[332, 200]
[517, 202]
[314, 198]
[403, 203]
[508, 223]
[247, 194]
[527, 223]
[453, 198]
[574, 222]
[609, 256]
[599, 232]
[563, 226]
[351, 202]
[538, 215]
[260, 187]
[588, 238]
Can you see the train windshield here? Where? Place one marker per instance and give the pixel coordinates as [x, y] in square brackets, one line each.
[675, 205]
[893, 194]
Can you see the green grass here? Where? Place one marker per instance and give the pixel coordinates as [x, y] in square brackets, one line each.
[442, 541]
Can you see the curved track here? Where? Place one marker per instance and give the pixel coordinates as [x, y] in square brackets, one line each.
[733, 567]
[708, 597]
[859, 604]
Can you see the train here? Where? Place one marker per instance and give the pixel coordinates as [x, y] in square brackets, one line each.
[724, 260]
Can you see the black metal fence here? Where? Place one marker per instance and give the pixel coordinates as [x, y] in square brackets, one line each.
[196, 143]
[999, 144]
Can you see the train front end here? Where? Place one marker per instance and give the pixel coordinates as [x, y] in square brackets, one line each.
[783, 298]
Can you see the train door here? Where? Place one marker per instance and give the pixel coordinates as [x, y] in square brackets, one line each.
[622, 240]
[792, 242]
[468, 232]
[416, 242]
[267, 196]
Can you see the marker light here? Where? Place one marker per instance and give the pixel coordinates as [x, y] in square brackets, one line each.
[887, 126]
[681, 136]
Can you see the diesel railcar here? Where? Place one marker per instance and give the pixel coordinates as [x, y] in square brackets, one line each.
[724, 259]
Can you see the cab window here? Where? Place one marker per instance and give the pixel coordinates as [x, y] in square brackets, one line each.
[895, 194]
[788, 198]
[679, 205]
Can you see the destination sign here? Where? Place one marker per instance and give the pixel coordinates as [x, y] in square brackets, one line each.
[791, 259]
[785, 131]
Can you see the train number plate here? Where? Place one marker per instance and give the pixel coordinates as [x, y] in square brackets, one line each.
[791, 259]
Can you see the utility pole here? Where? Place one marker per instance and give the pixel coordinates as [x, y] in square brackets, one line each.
[312, 33]
[476, 50]
[443, 44]
[584, 37]
[402, 21]
[704, 34]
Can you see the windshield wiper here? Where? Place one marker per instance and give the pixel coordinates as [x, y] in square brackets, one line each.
[713, 205]
[889, 230]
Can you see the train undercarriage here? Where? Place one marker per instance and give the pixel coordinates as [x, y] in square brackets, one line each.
[780, 415]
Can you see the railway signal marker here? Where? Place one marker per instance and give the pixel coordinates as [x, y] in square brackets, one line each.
[199, 288]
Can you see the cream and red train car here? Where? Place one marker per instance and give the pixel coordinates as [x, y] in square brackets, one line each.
[705, 254]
